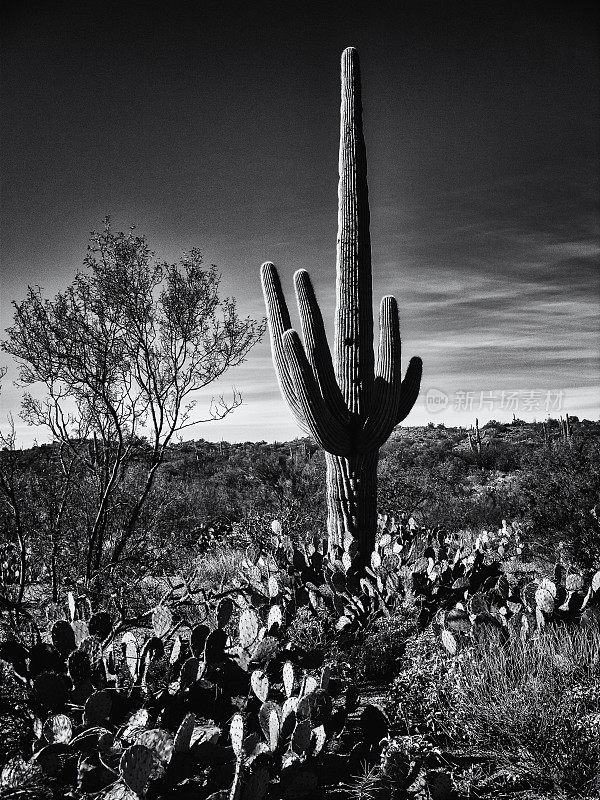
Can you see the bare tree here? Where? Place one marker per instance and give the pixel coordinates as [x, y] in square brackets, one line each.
[119, 354]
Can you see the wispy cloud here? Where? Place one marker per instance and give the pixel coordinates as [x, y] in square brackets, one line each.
[482, 141]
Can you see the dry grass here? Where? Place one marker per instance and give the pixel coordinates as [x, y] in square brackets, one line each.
[217, 568]
[533, 706]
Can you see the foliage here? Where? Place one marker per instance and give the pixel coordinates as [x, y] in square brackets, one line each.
[423, 487]
[378, 652]
[533, 707]
[416, 699]
[309, 630]
[16, 735]
[119, 354]
[209, 496]
[557, 494]
[443, 611]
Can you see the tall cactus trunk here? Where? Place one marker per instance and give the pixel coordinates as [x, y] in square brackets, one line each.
[353, 345]
[349, 404]
[352, 503]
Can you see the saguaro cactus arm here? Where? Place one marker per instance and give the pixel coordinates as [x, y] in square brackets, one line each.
[316, 346]
[329, 433]
[279, 322]
[388, 378]
[409, 391]
[393, 398]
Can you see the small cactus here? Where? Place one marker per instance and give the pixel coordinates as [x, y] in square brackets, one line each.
[135, 767]
[288, 678]
[162, 620]
[137, 721]
[224, 611]
[275, 617]
[157, 740]
[80, 631]
[301, 736]
[236, 734]
[97, 708]
[191, 671]
[58, 728]
[544, 600]
[214, 648]
[100, 624]
[574, 582]
[475, 439]
[198, 639]
[248, 627]
[130, 652]
[63, 637]
[449, 642]
[184, 733]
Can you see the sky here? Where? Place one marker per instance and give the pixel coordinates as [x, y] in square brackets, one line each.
[215, 125]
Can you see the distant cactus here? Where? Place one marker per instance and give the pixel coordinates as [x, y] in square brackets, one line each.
[566, 430]
[546, 434]
[350, 405]
[475, 439]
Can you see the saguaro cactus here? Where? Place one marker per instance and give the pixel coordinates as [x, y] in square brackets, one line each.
[350, 405]
[475, 439]
[565, 430]
[545, 433]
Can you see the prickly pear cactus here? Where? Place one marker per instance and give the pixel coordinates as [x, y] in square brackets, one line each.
[135, 767]
[162, 619]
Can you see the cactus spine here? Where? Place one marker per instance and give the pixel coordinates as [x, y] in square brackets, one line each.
[349, 404]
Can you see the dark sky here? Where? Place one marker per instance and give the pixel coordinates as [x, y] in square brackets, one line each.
[216, 125]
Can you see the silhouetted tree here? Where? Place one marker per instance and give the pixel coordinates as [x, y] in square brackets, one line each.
[118, 355]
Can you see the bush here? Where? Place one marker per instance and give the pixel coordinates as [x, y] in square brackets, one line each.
[557, 495]
[379, 655]
[307, 630]
[219, 566]
[533, 706]
[415, 701]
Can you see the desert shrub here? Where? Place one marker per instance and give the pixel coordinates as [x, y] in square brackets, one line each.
[218, 566]
[379, 653]
[441, 492]
[495, 455]
[526, 712]
[557, 495]
[428, 483]
[308, 630]
[415, 701]
[533, 706]
[15, 722]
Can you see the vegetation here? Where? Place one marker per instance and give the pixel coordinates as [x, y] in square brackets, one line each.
[231, 670]
[348, 404]
[118, 355]
[178, 621]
